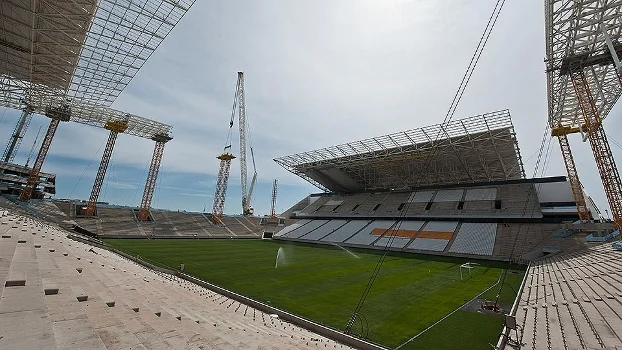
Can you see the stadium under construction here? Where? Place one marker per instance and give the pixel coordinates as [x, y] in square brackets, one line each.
[455, 192]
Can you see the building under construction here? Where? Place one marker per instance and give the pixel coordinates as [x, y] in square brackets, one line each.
[13, 178]
[69, 62]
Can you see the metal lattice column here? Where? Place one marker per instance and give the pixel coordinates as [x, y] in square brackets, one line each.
[18, 135]
[115, 128]
[573, 178]
[33, 178]
[221, 186]
[152, 176]
[273, 203]
[242, 124]
[600, 147]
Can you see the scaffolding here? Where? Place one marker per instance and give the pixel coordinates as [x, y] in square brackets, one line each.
[482, 148]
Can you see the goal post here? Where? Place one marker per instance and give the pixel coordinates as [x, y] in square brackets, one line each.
[468, 266]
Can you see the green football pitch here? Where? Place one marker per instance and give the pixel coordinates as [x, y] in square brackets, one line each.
[325, 283]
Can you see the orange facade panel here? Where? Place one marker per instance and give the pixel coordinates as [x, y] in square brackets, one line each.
[436, 235]
[397, 233]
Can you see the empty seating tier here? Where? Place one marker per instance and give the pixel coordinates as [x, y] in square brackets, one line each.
[475, 238]
[324, 230]
[510, 200]
[366, 237]
[61, 293]
[346, 231]
[286, 230]
[449, 195]
[481, 194]
[572, 301]
[437, 245]
[303, 230]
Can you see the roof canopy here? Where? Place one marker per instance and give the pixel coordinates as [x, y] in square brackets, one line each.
[477, 149]
[86, 49]
[43, 101]
[575, 42]
[79, 55]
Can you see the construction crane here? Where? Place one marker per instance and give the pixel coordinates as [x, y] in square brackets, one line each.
[273, 202]
[583, 69]
[247, 192]
[248, 210]
[239, 106]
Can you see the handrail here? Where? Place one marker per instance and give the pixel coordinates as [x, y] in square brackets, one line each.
[503, 337]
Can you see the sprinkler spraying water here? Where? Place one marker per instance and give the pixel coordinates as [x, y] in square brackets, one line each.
[347, 251]
[280, 257]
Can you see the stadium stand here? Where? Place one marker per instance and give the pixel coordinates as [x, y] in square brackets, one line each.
[292, 227]
[296, 208]
[481, 194]
[112, 221]
[504, 200]
[453, 195]
[352, 202]
[421, 197]
[394, 203]
[475, 238]
[238, 227]
[61, 293]
[570, 301]
[434, 236]
[324, 230]
[346, 231]
[399, 236]
[315, 203]
[303, 230]
[371, 232]
[430, 244]
[372, 203]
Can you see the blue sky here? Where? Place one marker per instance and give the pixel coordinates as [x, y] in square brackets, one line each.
[318, 73]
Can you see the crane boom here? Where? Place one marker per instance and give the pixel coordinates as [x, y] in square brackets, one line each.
[253, 181]
[242, 125]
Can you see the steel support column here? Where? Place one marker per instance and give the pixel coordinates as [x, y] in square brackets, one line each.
[573, 178]
[33, 178]
[115, 128]
[221, 187]
[101, 173]
[57, 114]
[600, 147]
[18, 135]
[152, 176]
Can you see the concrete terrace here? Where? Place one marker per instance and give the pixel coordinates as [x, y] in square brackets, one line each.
[572, 301]
[58, 293]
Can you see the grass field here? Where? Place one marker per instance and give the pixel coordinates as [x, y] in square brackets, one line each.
[324, 283]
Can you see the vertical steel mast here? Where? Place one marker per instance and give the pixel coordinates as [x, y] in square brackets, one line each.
[242, 126]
